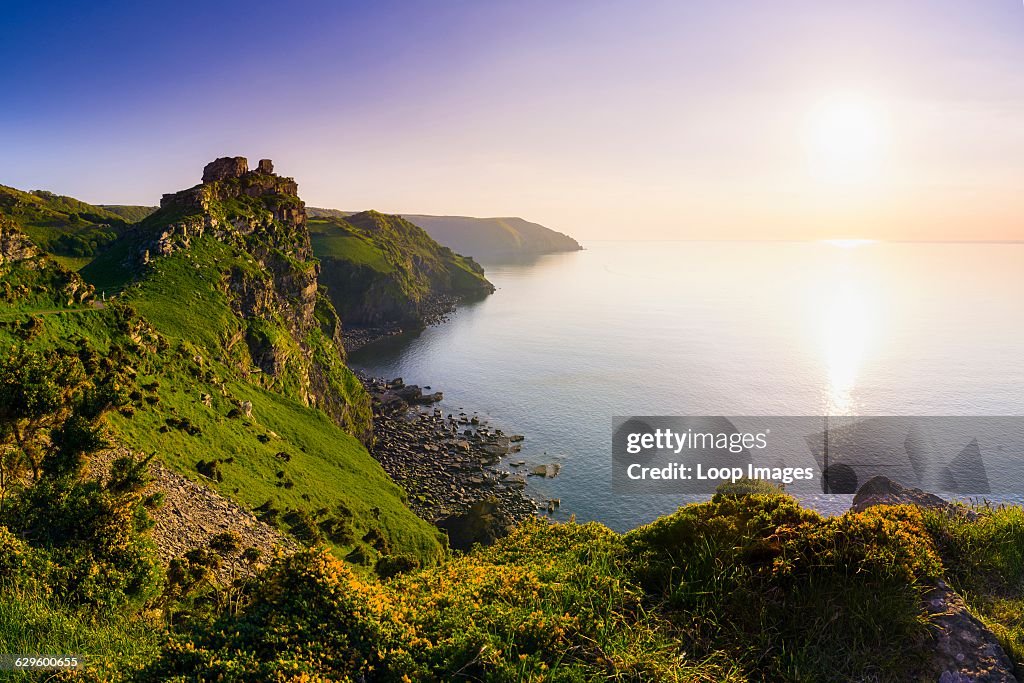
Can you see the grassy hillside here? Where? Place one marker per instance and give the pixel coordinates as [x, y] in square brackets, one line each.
[380, 269]
[242, 382]
[31, 279]
[129, 212]
[61, 225]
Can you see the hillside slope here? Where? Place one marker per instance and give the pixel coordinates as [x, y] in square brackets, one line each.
[30, 279]
[481, 238]
[130, 212]
[241, 378]
[494, 238]
[63, 226]
[383, 270]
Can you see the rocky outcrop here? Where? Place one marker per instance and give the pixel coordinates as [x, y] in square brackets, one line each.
[881, 490]
[484, 522]
[965, 650]
[29, 273]
[224, 168]
[15, 246]
[260, 215]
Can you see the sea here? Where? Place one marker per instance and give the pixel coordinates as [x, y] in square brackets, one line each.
[570, 341]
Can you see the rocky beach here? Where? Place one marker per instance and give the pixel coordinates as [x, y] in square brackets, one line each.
[460, 472]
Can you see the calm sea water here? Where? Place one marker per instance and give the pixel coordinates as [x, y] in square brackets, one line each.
[712, 328]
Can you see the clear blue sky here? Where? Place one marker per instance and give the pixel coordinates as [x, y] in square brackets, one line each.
[664, 119]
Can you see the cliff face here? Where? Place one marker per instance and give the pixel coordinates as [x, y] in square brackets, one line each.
[248, 231]
[382, 270]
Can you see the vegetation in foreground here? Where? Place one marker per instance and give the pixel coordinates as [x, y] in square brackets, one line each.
[748, 586]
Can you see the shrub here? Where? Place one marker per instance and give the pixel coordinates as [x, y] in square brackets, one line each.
[19, 564]
[392, 565]
[310, 615]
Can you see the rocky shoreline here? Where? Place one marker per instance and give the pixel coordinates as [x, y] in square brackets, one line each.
[460, 473]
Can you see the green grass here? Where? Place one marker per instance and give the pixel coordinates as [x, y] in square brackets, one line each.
[74, 263]
[342, 244]
[382, 269]
[62, 225]
[113, 645]
[985, 563]
[326, 466]
[129, 212]
[186, 337]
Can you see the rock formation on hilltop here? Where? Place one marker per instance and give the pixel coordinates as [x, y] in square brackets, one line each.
[15, 245]
[224, 168]
[266, 270]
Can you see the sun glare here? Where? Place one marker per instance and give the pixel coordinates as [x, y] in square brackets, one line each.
[845, 140]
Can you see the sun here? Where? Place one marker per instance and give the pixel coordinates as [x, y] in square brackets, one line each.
[845, 139]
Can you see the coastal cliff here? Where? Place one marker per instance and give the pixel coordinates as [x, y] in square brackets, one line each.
[233, 365]
[382, 270]
[488, 239]
[495, 239]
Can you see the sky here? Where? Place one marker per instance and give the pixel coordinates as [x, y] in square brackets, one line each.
[645, 120]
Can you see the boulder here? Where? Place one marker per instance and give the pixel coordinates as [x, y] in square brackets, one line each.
[882, 490]
[965, 650]
[546, 471]
[484, 522]
[266, 166]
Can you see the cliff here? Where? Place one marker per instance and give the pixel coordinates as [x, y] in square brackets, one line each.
[382, 270]
[486, 239]
[494, 238]
[217, 293]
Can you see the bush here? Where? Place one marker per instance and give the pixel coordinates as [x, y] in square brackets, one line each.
[550, 602]
[393, 565]
[19, 564]
[786, 590]
[746, 487]
[310, 615]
